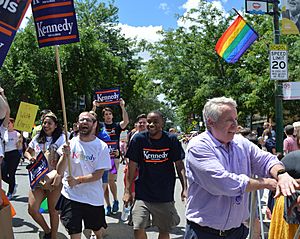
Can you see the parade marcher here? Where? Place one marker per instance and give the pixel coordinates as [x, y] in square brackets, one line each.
[141, 126]
[219, 166]
[13, 142]
[154, 154]
[82, 196]
[49, 138]
[114, 130]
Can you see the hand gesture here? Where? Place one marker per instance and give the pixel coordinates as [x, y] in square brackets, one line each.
[66, 150]
[122, 103]
[127, 198]
[72, 181]
[96, 103]
[285, 185]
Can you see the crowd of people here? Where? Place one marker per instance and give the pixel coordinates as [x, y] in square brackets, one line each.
[216, 172]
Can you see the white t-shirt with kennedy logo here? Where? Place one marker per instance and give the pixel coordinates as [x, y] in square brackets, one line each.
[86, 158]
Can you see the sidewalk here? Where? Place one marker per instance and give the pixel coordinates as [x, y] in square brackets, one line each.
[25, 228]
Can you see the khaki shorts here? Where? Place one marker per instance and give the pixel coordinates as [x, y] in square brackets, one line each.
[164, 215]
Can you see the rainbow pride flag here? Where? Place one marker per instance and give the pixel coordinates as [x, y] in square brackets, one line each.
[235, 40]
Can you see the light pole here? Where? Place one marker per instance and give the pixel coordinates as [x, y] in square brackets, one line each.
[278, 86]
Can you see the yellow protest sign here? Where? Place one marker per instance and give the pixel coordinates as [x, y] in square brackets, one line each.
[26, 117]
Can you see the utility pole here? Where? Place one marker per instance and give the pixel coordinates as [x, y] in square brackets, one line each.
[278, 86]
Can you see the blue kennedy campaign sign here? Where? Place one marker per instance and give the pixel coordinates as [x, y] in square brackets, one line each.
[11, 15]
[6, 38]
[108, 96]
[55, 22]
[37, 170]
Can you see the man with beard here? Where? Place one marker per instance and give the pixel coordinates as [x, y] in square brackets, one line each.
[154, 154]
[82, 196]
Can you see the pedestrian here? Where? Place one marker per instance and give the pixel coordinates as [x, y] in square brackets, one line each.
[141, 126]
[48, 139]
[82, 196]
[13, 142]
[114, 130]
[290, 142]
[154, 154]
[219, 167]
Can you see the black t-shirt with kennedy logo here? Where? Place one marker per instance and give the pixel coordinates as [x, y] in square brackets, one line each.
[113, 130]
[155, 158]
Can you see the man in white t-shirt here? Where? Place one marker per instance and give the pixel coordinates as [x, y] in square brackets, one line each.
[82, 196]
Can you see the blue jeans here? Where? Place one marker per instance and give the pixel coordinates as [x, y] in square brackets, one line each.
[193, 233]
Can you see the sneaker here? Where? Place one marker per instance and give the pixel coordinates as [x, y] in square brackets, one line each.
[9, 196]
[108, 211]
[115, 207]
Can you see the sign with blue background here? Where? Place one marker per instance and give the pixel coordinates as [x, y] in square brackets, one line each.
[55, 22]
[108, 96]
[37, 170]
[11, 15]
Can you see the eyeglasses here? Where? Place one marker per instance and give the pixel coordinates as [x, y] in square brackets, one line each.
[81, 120]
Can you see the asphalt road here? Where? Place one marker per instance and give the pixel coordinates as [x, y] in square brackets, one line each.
[25, 228]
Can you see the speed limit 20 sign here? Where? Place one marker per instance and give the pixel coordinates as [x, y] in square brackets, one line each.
[278, 62]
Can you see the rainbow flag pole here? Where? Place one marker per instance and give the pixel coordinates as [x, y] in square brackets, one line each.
[238, 37]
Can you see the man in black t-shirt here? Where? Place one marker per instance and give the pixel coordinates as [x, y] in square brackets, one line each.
[113, 129]
[154, 154]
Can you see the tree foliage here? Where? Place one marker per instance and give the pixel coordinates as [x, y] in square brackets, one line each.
[103, 58]
[190, 72]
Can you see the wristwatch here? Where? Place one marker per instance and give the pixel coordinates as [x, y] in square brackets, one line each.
[280, 171]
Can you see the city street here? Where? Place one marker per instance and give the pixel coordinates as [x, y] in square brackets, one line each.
[24, 227]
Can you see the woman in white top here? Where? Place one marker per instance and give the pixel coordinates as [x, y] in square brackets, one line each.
[12, 141]
[49, 138]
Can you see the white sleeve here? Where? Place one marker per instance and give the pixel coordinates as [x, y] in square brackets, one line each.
[60, 141]
[104, 158]
[33, 142]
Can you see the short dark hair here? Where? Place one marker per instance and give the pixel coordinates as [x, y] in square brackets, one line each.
[158, 113]
[107, 109]
[289, 129]
[141, 116]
